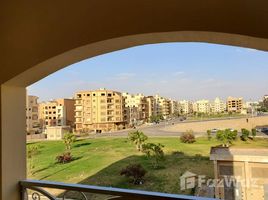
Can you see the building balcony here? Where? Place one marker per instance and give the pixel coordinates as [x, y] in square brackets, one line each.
[32, 189]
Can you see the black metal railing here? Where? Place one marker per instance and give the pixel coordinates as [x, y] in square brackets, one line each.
[43, 190]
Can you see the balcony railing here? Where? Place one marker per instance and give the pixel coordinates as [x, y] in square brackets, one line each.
[41, 190]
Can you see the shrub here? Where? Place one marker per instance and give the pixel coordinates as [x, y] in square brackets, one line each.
[209, 134]
[226, 136]
[138, 138]
[32, 150]
[154, 152]
[134, 171]
[178, 153]
[64, 158]
[253, 132]
[188, 137]
[69, 139]
[245, 134]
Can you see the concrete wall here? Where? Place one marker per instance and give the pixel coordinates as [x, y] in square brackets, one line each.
[222, 124]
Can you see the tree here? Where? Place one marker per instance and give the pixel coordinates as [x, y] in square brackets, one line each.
[245, 134]
[154, 152]
[156, 118]
[69, 139]
[138, 138]
[209, 134]
[226, 136]
[32, 150]
[253, 133]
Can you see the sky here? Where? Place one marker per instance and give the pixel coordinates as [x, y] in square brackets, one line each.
[179, 71]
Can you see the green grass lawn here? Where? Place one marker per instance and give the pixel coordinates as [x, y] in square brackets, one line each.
[99, 161]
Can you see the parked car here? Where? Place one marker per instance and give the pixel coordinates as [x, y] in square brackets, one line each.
[214, 130]
[264, 130]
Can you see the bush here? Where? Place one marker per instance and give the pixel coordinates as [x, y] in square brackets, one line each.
[253, 132]
[245, 134]
[64, 158]
[138, 138]
[154, 152]
[188, 137]
[134, 171]
[209, 134]
[226, 136]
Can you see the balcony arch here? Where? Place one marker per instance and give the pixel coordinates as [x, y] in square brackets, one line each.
[39, 38]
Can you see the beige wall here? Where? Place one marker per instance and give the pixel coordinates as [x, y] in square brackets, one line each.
[13, 140]
[222, 124]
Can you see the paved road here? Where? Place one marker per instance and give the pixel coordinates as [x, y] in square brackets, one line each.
[157, 130]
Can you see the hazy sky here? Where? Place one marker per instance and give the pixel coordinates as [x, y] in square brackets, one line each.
[176, 70]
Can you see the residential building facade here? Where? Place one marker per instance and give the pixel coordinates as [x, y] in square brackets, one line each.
[99, 110]
[32, 119]
[162, 106]
[186, 107]
[136, 111]
[234, 104]
[201, 106]
[151, 106]
[59, 112]
[218, 106]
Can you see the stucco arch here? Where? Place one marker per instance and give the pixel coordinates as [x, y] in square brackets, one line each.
[58, 62]
[38, 38]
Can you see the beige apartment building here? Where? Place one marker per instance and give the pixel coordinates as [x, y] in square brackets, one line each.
[59, 112]
[136, 111]
[201, 106]
[151, 106]
[162, 106]
[99, 110]
[174, 107]
[234, 104]
[185, 107]
[218, 106]
[32, 120]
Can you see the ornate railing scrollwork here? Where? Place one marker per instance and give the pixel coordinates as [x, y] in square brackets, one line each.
[34, 190]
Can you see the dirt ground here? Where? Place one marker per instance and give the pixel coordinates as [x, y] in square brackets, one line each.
[220, 124]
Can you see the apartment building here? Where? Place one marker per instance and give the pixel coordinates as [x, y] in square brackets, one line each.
[185, 107]
[174, 107]
[136, 111]
[59, 112]
[162, 106]
[32, 120]
[201, 106]
[151, 106]
[99, 110]
[218, 106]
[234, 104]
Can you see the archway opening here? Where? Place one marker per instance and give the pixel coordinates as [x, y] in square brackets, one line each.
[190, 75]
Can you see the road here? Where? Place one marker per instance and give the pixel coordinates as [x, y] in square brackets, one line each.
[157, 130]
